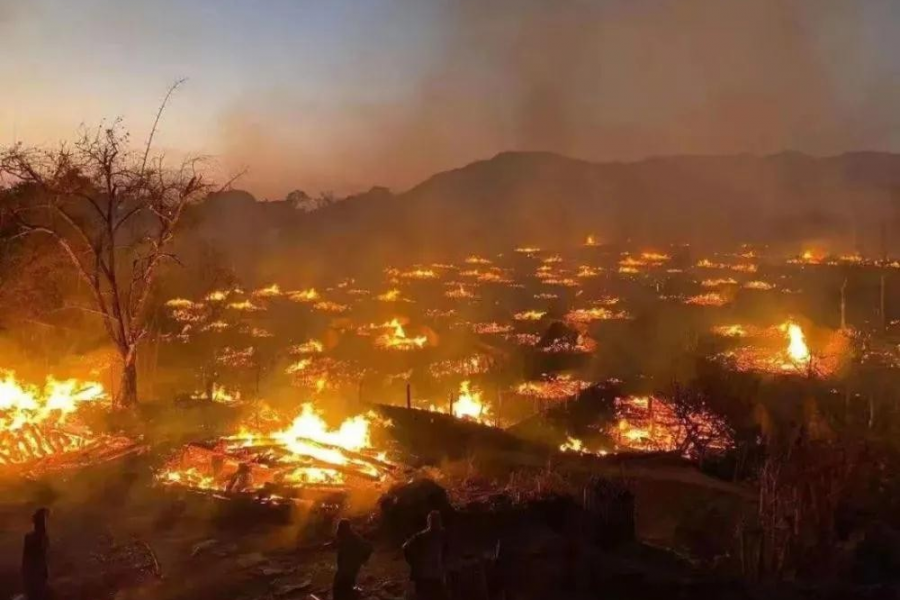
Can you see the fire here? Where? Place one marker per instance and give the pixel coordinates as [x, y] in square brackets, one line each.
[552, 388]
[648, 423]
[475, 364]
[392, 295]
[530, 315]
[460, 293]
[328, 306]
[307, 452]
[310, 347]
[710, 299]
[477, 260]
[596, 313]
[587, 271]
[220, 394]
[22, 404]
[38, 423]
[783, 348]
[591, 241]
[735, 331]
[268, 292]
[468, 404]
[419, 274]
[710, 283]
[490, 328]
[216, 296]
[244, 305]
[577, 446]
[797, 349]
[182, 303]
[310, 295]
[396, 338]
[759, 285]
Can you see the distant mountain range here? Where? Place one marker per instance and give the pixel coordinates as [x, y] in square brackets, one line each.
[546, 199]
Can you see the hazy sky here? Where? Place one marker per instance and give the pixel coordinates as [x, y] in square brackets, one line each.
[344, 94]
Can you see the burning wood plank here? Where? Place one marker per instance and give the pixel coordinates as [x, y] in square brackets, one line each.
[305, 454]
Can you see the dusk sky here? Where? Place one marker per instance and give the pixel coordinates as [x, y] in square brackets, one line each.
[344, 94]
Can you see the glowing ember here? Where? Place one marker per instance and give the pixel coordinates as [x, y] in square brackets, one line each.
[759, 285]
[582, 345]
[490, 328]
[390, 296]
[310, 295]
[530, 315]
[596, 313]
[591, 241]
[650, 424]
[419, 274]
[477, 260]
[331, 307]
[183, 303]
[576, 446]
[710, 299]
[586, 271]
[310, 347]
[219, 394]
[710, 283]
[460, 293]
[322, 373]
[552, 388]
[271, 291]
[736, 331]
[466, 367]
[244, 305]
[808, 257]
[217, 296]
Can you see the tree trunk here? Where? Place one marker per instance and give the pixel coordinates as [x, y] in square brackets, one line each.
[126, 397]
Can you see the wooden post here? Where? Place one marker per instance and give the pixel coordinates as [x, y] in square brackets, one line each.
[844, 304]
[450, 397]
[871, 411]
[408, 395]
[884, 320]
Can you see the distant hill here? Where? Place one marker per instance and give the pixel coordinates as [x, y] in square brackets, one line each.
[546, 199]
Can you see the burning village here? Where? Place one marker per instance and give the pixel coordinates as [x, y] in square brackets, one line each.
[512, 374]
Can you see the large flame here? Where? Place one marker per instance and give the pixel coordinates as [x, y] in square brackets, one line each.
[34, 421]
[467, 405]
[306, 452]
[797, 349]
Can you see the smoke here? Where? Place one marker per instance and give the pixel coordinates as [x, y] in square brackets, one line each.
[612, 80]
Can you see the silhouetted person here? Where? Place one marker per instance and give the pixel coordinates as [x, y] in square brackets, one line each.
[425, 554]
[34, 558]
[241, 481]
[352, 553]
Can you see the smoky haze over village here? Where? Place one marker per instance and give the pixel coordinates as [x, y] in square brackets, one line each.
[452, 300]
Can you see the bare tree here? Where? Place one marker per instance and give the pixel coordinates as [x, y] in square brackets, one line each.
[112, 212]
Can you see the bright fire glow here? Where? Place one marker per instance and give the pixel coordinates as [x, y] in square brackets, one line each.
[36, 423]
[396, 338]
